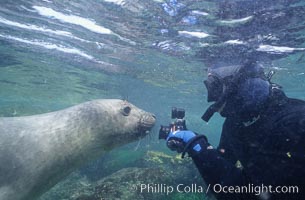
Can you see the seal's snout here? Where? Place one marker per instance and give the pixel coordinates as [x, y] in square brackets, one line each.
[147, 121]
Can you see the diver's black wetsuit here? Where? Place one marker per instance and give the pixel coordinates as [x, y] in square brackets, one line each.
[271, 151]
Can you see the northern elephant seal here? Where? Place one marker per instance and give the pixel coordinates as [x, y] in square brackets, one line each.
[38, 151]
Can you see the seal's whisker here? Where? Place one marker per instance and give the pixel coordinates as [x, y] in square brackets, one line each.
[138, 145]
[150, 135]
[148, 140]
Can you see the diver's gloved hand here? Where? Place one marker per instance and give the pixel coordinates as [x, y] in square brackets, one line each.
[187, 141]
[177, 140]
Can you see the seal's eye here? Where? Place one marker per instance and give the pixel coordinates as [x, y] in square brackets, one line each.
[126, 110]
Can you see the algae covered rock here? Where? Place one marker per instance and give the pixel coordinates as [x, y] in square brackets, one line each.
[154, 169]
[159, 172]
[160, 158]
[70, 189]
[126, 184]
[182, 170]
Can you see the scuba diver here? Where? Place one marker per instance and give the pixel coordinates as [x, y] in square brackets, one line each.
[264, 131]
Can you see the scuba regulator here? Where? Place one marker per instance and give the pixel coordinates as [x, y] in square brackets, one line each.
[179, 123]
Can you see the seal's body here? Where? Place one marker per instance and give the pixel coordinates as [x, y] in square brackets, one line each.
[38, 151]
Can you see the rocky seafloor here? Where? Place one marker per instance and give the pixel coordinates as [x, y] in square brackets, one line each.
[151, 176]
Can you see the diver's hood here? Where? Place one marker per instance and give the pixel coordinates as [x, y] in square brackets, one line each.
[235, 89]
[218, 78]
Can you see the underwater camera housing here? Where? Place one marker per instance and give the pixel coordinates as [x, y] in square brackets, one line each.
[179, 123]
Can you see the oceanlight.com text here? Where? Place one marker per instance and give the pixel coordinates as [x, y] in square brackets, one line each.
[254, 189]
